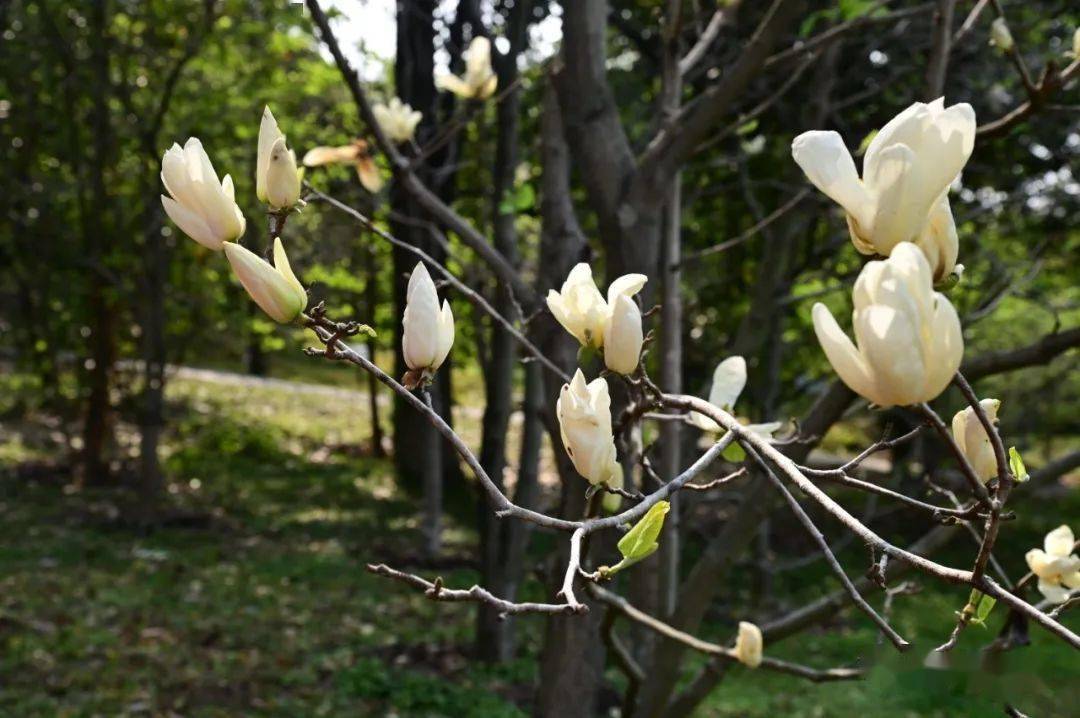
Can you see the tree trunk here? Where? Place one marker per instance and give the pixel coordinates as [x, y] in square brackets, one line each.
[97, 426]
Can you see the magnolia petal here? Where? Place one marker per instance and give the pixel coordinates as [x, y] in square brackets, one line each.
[827, 163]
[281, 181]
[1059, 542]
[749, 644]
[626, 285]
[191, 224]
[318, 156]
[453, 83]
[623, 336]
[1054, 593]
[890, 343]
[446, 334]
[268, 287]
[369, 174]
[939, 241]
[728, 382]
[842, 354]
[269, 133]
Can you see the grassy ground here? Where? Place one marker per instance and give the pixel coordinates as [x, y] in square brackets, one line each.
[258, 604]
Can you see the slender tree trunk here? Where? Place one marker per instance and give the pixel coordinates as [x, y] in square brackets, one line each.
[97, 427]
[152, 417]
[418, 451]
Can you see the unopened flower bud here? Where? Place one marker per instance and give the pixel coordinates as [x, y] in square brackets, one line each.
[1000, 37]
[275, 288]
[749, 644]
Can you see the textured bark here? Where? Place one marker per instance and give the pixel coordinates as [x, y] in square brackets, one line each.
[493, 635]
[418, 453]
[572, 660]
[97, 422]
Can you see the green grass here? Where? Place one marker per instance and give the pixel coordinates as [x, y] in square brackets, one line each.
[264, 606]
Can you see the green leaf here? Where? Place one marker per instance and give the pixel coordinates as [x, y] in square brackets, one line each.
[978, 607]
[865, 144]
[1016, 465]
[640, 542]
[747, 128]
[734, 453]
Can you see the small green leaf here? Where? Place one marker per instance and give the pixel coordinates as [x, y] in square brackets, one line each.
[747, 128]
[640, 542]
[865, 144]
[1016, 465]
[734, 453]
[978, 607]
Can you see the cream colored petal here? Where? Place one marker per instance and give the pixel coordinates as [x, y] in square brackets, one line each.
[446, 334]
[191, 224]
[842, 354]
[749, 644]
[264, 284]
[269, 133]
[889, 342]
[939, 240]
[623, 336]
[1039, 562]
[628, 285]
[728, 382]
[896, 217]
[943, 347]
[454, 84]
[420, 322]
[1054, 593]
[317, 156]
[905, 128]
[1060, 541]
[369, 174]
[828, 165]
[281, 264]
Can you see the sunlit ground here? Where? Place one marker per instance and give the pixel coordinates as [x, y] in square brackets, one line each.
[254, 599]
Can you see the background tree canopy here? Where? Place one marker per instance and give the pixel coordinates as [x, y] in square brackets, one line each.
[190, 502]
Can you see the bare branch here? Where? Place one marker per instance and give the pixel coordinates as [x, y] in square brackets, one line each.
[437, 592]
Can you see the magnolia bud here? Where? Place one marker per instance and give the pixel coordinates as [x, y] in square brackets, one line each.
[584, 413]
[971, 437]
[749, 644]
[282, 176]
[622, 336]
[1000, 36]
[429, 331]
[203, 208]
[1076, 43]
[277, 181]
[275, 288]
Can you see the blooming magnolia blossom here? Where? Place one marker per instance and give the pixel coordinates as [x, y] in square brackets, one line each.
[584, 413]
[623, 336]
[907, 170]
[909, 339]
[275, 288]
[429, 331]
[277, 180]
[397, 119]
[749, 644]
[358, 153]
[580, 307]
[1055, 565]
[203, 208]
[479, 81]
[971, 437]
[729, 380]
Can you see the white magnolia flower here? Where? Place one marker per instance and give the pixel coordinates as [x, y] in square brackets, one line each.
[971, 437]
[580, 307]
[584, 413]
[397, 119]
[429, 331]
[203, 208]
[1055, 565]
[479, 81]
[907, 170]
[729, 380]
[275, 288]
[277, 179]
[909, 339]
[749, 644]
[623, 336]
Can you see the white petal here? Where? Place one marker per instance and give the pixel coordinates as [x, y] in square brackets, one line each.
[623, 336]
[269, 133]
[728, 382]
[827, 163]
[628, 285]
[1059, 542]
[1053, 592]
[191, 223]
[890, 344]
[842, 354]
